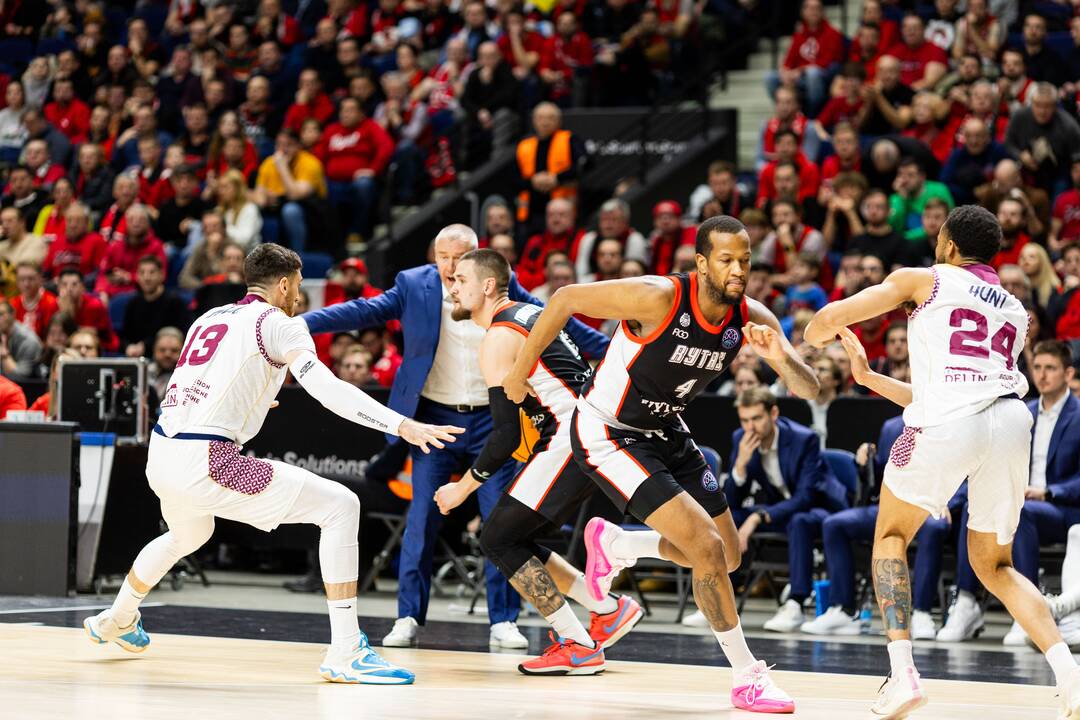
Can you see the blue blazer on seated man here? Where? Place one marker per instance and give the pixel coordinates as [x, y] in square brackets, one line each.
[780, 482]
[439, 382]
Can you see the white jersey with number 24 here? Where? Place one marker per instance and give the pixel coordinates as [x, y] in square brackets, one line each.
[963, 346]
[230, 369]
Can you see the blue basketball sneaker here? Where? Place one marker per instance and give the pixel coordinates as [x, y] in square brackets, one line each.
[363, 665]
[101, 629]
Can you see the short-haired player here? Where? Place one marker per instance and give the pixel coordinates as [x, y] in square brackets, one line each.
[234, 361]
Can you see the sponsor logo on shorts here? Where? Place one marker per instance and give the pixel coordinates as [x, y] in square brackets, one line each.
[730, 338]
[709, 481]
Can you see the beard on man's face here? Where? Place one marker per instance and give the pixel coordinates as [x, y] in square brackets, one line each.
[459, 313]
[721, 296]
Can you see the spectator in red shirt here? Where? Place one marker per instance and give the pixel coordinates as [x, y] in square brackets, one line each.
[566, 60]
[351, 285]
[68, 113]
[846, 156]
[786, 116]
[86, 310]
[787, 151]
[310, 102]
[116, 274]
[817, 49]
[12, 397]
[51, 219]
[154, 186]
[667, 235]
[34, 306]
[873, 14]
[44, 171]
[125, 192]
[922, 63]
[1012, 214]
[520, 46]
[931, 125]
[355, 151]
[387, 358]
[1065, 223]
[846, 106]
[559, 234]
[866, 49]
[76, 247]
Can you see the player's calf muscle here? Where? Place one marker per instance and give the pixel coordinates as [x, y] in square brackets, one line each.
[893, 586]
[535, 584]
[713, 595]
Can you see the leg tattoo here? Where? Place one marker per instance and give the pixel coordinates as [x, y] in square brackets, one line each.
[709, 591]
[893, 586]
[534, 583]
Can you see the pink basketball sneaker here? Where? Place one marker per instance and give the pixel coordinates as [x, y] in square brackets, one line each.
[601, 566]
[755, 691]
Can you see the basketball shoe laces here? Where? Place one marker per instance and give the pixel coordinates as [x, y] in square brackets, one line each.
[759, 681]
[556, 644]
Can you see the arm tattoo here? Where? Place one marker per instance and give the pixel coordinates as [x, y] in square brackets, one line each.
[535, 585]
[800, 378]
[712, 593]
[893, 586]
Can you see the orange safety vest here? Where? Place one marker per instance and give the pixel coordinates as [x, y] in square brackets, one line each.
[559, 159]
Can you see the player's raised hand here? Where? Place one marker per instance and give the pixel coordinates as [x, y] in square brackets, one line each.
[422, 434]
[860, 366]
[765, 341]
[516, 388]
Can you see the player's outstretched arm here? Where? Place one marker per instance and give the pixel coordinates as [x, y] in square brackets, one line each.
[764, 334]
[358, 313]
[355, 405]
[887, 387]
[644, 299]
[498, 350]
[904, 285]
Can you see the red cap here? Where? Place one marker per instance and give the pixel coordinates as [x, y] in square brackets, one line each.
[354, 263]
[667, 206]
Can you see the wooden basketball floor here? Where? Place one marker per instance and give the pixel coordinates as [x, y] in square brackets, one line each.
[55, 672]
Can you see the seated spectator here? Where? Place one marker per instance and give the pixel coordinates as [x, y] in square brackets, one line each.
[61, 327]
[168, 342]
[51, 220]
[879, 237]
[387, 358]
[1045, 284]
[151, 173]
[498, 218]
[978, 33]
[786, 116]
[788, 185]
[922, 63]
[846, 156]
[1011, 214]
[720, 188]
[12, 397]
[558, 272]
[85, 309]
[888, 99]
[817, 49]
[667, 235]
[182, 211]
[243, 222]
[351, 284]
[288, 183]
[206, 257]
[849, 276]
[955, 88]
[1045, 138]
[796, 491]
[609, 259]
[1016, 282]
[613, 223]
[43, 171]
[566, 61]
[972, 163]
[804, 292]
[792, 237]
[924, 249]
[19, 346]
[895, 363]
[18, 245]
[847, 527]
[23, 195]
[787, 151]
[757, 227]
[1043, 64]
[504, 245]
[93, 179]
[1014, 86]
[67, 112]
[152, 307]
[13, 134]
[560, 233]
[911, 191]
[125, 192]
[842, 198]
[866, 48]
[76, 246]
[548, 164]
[224, 288]
[406, 123]
[119, 265]
[685, 259]
[34, 305]
[144, 124]
[489, 99]
[931, 124]
[632, 268]
[355, 367]
[1065, 223]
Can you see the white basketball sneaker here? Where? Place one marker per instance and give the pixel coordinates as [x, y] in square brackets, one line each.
[965, 621]
[1069, 627]
[899, 696]
[787, 619]
[1016, 637]
[402, 635]
[101, 629]
[506, 635]
[833, 621]
[922, 626]
[362, 666]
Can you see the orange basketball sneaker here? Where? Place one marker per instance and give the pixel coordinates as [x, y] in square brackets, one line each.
[565, 657]
[608, 629]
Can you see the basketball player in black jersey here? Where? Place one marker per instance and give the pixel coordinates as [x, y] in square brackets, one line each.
[678, 334]
[550, 488]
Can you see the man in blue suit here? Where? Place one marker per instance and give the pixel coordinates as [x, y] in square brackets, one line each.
[1052, 502]
[777, 466]
[440, 378]
[842, 530]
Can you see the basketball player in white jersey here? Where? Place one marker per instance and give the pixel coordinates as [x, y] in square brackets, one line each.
[232, 365]
[963, 418]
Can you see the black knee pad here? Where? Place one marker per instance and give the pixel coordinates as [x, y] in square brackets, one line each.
[507, 535]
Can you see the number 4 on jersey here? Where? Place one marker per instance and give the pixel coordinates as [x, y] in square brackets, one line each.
[681, 391]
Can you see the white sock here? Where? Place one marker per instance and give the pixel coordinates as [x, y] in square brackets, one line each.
[734, 646]
[634, 544]
[900, 656]
[579, 594]
[344, 627]
[1061, 662]
[566, 625]
[126, 603]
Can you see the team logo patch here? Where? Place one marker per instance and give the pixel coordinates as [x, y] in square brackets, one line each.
[684, 320]
[730, 339]
[709, 482]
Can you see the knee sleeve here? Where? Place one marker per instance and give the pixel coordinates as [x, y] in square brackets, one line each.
[336, 510]
[507, 537]
[161, 554]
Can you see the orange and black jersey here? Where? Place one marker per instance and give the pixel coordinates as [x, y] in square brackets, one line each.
[557, 379]
[645, 382]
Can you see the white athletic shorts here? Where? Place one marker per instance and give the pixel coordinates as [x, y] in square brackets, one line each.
[992, 449]
[211, 477]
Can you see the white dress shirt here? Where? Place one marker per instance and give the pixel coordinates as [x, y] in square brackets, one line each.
[1040, 443]
[455, 377]
[770, 462]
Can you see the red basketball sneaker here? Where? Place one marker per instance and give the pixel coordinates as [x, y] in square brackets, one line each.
[608, 629]
[565, 657]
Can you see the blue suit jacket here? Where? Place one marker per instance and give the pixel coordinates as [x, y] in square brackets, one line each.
[806, 474]
[416, 300]
[1063, 460]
